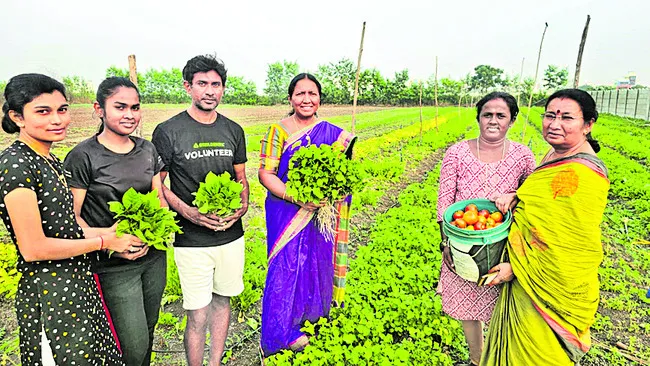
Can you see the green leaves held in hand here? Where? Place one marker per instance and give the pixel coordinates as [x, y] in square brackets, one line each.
[218, 195]
[323, 173]
[141, 215]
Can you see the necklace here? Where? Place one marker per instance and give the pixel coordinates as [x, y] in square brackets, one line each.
[478, 150]
[488, 176]
[60, 176]
[295, 124]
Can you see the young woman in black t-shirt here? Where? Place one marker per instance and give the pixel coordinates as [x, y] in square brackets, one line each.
[100, 170]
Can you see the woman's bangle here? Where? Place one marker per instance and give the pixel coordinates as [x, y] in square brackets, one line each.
[101, 243]
[284, 197]
[444, 243]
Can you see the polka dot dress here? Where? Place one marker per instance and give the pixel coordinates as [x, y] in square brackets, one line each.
[60, 296]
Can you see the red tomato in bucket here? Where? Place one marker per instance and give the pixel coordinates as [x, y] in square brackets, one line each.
[471, 207]
[458, 214]
[497, 216]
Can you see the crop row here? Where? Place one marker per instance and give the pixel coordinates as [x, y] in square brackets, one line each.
[383, 156]
[392, 314]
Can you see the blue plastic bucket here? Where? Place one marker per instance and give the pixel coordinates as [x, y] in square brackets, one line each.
[475, 252]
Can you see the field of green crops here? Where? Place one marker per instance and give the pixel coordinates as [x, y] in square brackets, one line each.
[392, 314]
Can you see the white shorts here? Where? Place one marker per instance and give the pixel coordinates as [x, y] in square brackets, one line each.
[206, 270]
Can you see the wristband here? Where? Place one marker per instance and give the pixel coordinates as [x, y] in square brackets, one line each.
[101, 243]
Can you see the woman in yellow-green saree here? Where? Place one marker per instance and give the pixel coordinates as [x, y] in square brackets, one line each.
[551, 290]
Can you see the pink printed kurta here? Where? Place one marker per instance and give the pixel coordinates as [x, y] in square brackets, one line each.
[463, 177]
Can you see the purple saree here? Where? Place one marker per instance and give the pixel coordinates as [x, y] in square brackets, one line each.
[306, 270]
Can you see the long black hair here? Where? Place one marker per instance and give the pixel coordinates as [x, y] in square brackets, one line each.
[21, 90]
[587, 106]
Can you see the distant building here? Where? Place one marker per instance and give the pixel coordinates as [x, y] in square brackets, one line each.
[627, 82]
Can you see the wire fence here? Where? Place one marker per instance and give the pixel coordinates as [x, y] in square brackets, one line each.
[633, 103]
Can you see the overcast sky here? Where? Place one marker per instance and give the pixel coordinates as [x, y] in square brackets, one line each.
[74, 37]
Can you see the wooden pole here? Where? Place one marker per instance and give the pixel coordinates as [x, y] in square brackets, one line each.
[435, 93]
[133, 75]
[356, 78]
[576, 79]
[420, 111]
[530, 99]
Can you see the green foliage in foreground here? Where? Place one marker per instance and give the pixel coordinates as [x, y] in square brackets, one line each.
[392, 315]
[9, 275]
[218, 195]
[323, 172]
[142, 216]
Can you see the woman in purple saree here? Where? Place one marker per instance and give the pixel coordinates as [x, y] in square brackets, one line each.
[306, 269]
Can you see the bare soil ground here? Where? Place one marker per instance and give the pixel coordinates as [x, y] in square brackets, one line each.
[84, 123]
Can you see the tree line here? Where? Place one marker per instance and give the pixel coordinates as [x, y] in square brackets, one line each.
[337, 79]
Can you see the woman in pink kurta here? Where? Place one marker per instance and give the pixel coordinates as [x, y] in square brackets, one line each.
[485, 167]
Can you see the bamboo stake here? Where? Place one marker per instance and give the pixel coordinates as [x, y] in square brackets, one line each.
[435, 93]
[356, 78]
[576, 79]
[530, 99]
[420, 112]
[133, 75]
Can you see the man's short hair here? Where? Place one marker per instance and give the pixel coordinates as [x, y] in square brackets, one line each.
[204, 63]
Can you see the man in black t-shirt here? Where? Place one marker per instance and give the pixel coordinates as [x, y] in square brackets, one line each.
[210, 252]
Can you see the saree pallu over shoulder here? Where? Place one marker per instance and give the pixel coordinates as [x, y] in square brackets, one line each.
[544, 316]
[306, 270]
[297, 218]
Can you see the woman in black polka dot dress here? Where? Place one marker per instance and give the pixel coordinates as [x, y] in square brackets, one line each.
[59, 307]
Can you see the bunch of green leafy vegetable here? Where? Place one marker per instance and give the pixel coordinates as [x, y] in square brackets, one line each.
[218, 195]
[324, 172]
[141, 215]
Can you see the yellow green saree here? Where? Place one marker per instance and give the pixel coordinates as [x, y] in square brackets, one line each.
[543, 316]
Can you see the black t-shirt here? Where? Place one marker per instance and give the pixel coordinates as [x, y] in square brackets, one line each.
[106, 176]
[189, 150]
